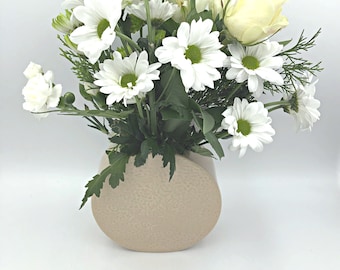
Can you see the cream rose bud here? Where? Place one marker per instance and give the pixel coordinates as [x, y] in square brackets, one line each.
[252, 21]
[32, 70]
[40, 94]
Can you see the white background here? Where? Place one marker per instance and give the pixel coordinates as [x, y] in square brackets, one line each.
[281, 208]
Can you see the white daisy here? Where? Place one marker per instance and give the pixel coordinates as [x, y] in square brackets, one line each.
[160, 11]
[100, 18]
[124, 79]
[256, 64]
[304, 106]
[40, 93]
[249, 125]
[70, 4]
[195, 52]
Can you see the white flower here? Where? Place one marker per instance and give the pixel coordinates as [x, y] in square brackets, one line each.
[195, 52]
[70, 4]
[100, 18]
[159, 10]
[41, 94]
[32, 70]
[126, 3]
[125, 79]
[256, 64]
[249, 125]
[182, 10]
[305, 106]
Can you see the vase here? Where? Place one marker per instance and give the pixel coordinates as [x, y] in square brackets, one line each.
[150, 213]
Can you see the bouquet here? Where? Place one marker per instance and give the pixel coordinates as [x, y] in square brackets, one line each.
[163, 77]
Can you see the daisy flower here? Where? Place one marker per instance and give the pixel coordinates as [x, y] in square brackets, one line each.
[195, 52]
[40, 93]
[100, 18]
[159, 11]
[70, 4]
[249, 125]
[304, 106]
[256, 64]
[127, 78]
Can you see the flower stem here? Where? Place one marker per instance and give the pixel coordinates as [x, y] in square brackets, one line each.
[139, 107]
[128, 40]
[153, 113]
[275, 103]
[232, 93]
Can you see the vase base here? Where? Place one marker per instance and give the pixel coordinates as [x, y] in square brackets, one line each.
[149, 213]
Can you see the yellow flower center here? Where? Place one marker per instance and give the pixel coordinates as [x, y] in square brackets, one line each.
[194, 54]
[250, 62]
[244, 127]
[102, 26]
[128, 80]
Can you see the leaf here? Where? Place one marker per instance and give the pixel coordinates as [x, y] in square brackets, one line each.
[95, 185]
[142, 156]
[169, 157]
[201, 150]
[118, 163]
[115, 170]
[175, 91]
[215, 144]
[208, 122]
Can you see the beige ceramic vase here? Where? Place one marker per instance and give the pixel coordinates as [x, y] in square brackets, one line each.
[149, 213]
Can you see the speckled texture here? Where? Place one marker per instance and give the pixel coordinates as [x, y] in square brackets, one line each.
[148, 213]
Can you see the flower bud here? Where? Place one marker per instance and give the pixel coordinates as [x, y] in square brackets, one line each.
[69, 98]
[252, 21]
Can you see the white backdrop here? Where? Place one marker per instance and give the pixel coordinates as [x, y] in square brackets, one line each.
[281, 208]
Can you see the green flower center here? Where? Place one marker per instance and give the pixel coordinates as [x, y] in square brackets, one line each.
[250, 62]
[244, 127]
[102, 26]
[194, 54]
[128, 80]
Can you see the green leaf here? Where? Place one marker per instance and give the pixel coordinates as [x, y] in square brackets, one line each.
[95, 185]
[160, 35]
[208, 122]
[169, 157]
[115, 170]
[118, 163]
[215, 144]
[201, 150]
[175, 91]
[143, 155]
[285, 42]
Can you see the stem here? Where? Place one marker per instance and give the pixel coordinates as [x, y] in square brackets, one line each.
[234, 91]
[153, 112]
[275, 108]
[128, 40]
[151, 33]
[281, 103]
[139, 107]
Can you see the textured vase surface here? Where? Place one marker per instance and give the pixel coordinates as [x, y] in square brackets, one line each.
[149, 213]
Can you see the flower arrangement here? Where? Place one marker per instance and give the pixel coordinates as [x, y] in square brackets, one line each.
[164, 77]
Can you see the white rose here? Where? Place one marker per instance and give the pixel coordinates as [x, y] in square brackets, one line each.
[40, 94]
[252, 21]
[32, 70]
